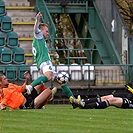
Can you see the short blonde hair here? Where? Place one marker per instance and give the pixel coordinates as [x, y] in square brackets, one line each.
[41, 25]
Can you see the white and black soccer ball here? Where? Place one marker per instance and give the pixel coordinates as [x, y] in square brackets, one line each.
[63, 77]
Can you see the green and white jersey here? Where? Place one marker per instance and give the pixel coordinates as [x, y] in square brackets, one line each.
[40, 49]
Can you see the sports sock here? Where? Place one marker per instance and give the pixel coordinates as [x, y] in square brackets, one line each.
[67, 91]
[102, 105]
[92, 100]
[90, 105]
[40, 80]
[99, 99]
[97, 105]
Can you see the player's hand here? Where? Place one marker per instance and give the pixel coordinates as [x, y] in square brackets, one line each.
[2, 107]
[39, 15]
[27, 75]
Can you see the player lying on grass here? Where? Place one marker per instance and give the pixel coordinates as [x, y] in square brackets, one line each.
[14, 96]
[117, 100]
[41, 55]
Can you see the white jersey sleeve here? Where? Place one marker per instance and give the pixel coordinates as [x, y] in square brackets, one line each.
[37, 32]
[38, 35]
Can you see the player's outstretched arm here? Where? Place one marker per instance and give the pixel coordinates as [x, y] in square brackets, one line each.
[38, 16]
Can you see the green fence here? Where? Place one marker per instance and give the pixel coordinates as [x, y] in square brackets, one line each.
[73, 50]
[114, 26]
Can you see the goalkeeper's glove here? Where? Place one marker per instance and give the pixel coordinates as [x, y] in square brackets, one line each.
[129, 88]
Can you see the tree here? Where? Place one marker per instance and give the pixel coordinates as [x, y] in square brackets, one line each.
[126, 10]
[65, 29]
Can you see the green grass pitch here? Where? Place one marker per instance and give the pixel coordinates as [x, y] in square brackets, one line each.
[63, 119]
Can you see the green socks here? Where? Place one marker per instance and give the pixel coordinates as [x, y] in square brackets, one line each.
[40, 80]
[44, 79]
[67, 91]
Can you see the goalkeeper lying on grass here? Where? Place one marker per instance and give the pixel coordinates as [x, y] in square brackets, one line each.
[14, 96]
[117, 100]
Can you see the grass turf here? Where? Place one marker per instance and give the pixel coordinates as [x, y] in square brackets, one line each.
[64, 119]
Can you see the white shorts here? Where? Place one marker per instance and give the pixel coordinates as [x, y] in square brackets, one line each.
[46, 67]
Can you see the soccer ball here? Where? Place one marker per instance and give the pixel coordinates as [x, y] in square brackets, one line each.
[63, 78]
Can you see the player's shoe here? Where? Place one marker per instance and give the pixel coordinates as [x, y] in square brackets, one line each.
[74, 102]
[80, 102]
[129, 88]
[29, 88]
[54, 90]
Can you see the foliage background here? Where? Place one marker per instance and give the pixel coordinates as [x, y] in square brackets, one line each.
[65, 29]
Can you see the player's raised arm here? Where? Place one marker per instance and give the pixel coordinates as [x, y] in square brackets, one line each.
[36, 29]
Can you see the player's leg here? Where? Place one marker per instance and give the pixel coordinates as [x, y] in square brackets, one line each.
[47, 72]
[40, 88]
[43, 97]
[65, 88]
[84, 103]
[103, 98]
[91, 100]
[99, 99]
[116, 101]
[42, 79]
[67, 91]
[97, 105]
[51, 97]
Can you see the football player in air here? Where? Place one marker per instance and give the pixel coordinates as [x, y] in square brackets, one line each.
[41, 55]
[118, 100]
